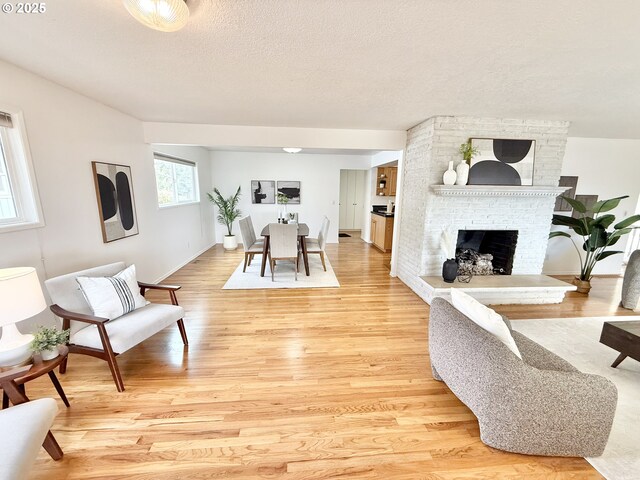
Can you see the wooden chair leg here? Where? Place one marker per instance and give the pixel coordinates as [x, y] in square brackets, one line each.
[322, 259]
[59, 389]
[246, 257]
[111, 358]
[295, 270]
[63, 365]
[183, 332]
[272, 265]
[250, 259]
[51, 446]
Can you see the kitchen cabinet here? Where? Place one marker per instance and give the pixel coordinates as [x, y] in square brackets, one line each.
[386, 180]
[381, 232]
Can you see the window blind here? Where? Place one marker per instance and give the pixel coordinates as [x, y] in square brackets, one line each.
[168, 158]
[5, 120]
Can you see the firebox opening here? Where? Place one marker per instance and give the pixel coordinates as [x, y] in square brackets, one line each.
[486, 252]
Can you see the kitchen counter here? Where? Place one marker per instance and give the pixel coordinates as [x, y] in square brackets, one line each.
[383, 214]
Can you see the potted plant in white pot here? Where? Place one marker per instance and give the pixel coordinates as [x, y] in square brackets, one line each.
[228, 212]
[593, 226]
[46, 341]
[283, 200]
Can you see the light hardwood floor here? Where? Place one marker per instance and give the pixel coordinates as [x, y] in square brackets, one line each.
[288, 384]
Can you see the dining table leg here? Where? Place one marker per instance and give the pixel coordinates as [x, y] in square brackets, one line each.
[303, 244]
[265, 252]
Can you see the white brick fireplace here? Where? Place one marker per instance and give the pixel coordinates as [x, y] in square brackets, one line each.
[428, 207]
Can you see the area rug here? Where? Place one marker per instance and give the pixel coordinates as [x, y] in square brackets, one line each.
[284, 276]
[577, 341]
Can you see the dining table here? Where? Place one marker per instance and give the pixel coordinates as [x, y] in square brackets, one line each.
[303, 233]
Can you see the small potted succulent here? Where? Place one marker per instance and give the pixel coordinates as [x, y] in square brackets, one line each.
[46, 341]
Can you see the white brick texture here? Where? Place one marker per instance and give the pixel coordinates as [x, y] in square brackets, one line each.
[430, 147]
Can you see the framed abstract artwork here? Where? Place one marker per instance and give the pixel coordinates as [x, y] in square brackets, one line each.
[116, 204]
[562, 205]
[291, 190]
[502, 161]
[587, 201]
[263, 191]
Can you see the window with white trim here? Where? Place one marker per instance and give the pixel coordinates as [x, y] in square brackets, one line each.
[176, 181]
[19, 204]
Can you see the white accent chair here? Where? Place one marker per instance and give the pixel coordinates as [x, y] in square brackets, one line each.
[25, 428]
[104, 338]
[283, 244]
[251, 245]
[317, 245]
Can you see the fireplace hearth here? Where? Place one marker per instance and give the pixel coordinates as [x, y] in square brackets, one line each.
[486, 252]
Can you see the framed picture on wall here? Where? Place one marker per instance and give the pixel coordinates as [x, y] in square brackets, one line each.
[263, 191]
[502, 161]
[116, 204]
[587, 201]
[561, 204]
[291, 190]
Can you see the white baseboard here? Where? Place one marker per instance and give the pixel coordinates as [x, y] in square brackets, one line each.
[190, 259]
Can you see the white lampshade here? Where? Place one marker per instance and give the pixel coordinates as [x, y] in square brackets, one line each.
[20, 295]
[163, 15]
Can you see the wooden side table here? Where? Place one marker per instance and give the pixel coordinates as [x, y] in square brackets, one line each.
[39, 368]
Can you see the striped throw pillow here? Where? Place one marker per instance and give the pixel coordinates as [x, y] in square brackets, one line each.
[112, 297]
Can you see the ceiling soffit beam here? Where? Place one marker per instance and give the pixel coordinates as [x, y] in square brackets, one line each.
[247, 136]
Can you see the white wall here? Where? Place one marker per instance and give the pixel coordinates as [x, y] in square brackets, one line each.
[320, 184]
[607, 168]
[67, 131]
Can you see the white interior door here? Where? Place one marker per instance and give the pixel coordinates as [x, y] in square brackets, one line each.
[351, 199]
[344, 203]
[358, 197]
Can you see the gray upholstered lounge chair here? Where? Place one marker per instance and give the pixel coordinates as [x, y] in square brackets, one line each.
[540, 405]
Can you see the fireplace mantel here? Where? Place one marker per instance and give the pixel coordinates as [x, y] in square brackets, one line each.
[497, 191]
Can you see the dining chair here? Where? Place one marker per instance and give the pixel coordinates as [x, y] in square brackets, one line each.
[251, 245]
[283, 243]
[317, 245]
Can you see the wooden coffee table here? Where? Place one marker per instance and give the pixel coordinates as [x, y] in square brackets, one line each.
[623, 337]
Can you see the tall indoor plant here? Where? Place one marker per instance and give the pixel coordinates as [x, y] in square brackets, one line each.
[228, 212]
[592, 225]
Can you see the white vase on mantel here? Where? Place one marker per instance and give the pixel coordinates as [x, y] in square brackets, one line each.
[449, 177]
[462, 173]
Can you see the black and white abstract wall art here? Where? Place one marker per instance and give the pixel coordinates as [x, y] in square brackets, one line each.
[116, 204]
[502, 162]
[291, 190]
[263, 191]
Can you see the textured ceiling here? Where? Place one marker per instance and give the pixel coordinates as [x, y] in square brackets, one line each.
[372, 64]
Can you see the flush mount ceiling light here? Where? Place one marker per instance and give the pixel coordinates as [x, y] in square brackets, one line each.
[292, 149]
[163, 15]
